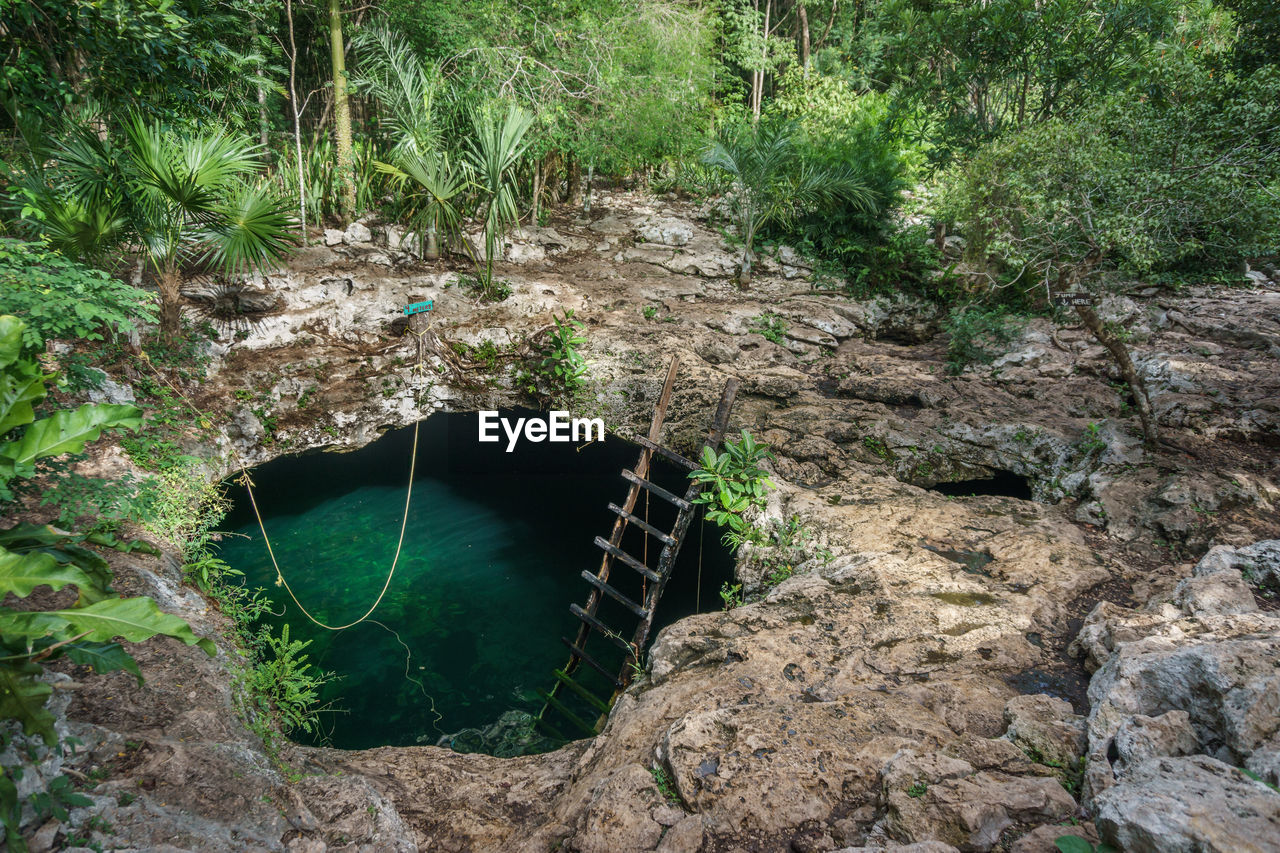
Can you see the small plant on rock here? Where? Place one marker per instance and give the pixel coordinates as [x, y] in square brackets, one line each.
[735, 483]
[772, 327]
[562, 367]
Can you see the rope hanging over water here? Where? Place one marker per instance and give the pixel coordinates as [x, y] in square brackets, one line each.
[253, 501]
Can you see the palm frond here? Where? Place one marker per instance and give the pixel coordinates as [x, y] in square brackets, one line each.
[403, 85]
[251, 228]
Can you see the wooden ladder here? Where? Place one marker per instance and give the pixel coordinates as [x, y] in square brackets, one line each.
[592, 709]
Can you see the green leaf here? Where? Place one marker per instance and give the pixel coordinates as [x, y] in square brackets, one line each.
[47, 539]
[1072, 844]
[22, 573]
[23, 698]
[104, 657]
[20, 386]
[10, 339]
[65, 432]
[134, 619]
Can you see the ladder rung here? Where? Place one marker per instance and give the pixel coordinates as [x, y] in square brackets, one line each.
[642, 524]
[599, 626]
[656, 489]
[591, 662]
[590, 698]
[567, 714]
[626, 558]
[670, 454]
[550, 729]
[639, 611]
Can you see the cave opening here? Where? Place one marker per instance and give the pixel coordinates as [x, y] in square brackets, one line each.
[1002, 484]
[470, 629]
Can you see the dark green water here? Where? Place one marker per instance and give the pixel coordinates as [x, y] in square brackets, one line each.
[492, 558]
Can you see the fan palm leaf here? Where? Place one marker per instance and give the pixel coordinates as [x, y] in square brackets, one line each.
[250, 228]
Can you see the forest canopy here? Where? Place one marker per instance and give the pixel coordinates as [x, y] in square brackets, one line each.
[943, 113]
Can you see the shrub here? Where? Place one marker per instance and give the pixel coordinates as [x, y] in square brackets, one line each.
[977, 335]
[735, 483]
[59, 298]
[1181, 172]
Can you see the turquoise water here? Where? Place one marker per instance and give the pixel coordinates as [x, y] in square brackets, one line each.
[494, 547]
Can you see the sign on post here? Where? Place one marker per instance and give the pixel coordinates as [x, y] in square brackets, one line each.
[418, 307]
[1072, 300]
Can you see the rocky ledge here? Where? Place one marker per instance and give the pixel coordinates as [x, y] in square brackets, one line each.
[920, 683]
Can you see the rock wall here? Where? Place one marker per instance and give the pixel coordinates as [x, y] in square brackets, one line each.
[907, 688]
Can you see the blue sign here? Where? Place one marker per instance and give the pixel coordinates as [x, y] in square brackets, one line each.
[418, 307]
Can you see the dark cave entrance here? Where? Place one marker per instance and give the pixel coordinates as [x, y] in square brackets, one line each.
[1003, 484]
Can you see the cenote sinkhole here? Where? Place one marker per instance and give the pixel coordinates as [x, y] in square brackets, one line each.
[494, 548]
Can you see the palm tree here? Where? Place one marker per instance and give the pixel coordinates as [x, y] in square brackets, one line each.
[186, 199]
[493, 155]
[404, 86]
[438, 183]
[774, 184]
[406, 89]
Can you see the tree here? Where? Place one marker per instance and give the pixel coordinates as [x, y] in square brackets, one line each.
[1179, 173]
[185, 198]
[985, 68]
[341, 112]
[773, 184]
[493, 154]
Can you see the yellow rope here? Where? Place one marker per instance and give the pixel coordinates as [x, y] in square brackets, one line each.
[253, 501]
[280, 579]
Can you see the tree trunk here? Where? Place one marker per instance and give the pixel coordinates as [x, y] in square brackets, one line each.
[575, 182]
[537, 192]
[744, 273]
[297, 124]
[586, 203]
[341, 113]
[262, 104]
[830, 21]
[803, 16]
[432, 250]
[1121, 355]
[757, 83]
[170, 283]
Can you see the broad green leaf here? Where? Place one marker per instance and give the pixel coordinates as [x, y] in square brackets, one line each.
[62, 546]
[20, 386]
[10, 339]
[68, 432]
[1072, 844]
[22, 573]
[134, 619]
[104, 657]
[22, 698]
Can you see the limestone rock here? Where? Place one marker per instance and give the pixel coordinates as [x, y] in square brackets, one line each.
[1220, 670]
[684, 837]
[1256, 562]
[937, 796]
[619, 817]
[110, 391]
[667, 230]
[892, 847]
[1189, 805]
[1046, 726]
[332, 237]
[1217, 593]
[1141, 737]
[357, 232]
[1041, 839]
